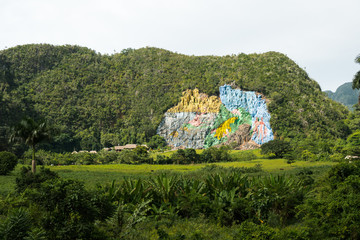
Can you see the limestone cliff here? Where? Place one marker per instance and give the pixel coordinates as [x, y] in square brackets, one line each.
[200, 121]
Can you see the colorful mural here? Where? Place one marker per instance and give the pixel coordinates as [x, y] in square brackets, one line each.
[255, 105]
[225, 124]
[199, 121]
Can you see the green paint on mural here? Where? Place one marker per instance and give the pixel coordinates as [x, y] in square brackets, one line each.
[225, 124]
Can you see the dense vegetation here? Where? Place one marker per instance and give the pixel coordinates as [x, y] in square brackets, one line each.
[137, 156]
[99, 100]
[94, 101]
[211, 203]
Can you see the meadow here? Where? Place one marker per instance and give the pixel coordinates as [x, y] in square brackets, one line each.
[92, 175]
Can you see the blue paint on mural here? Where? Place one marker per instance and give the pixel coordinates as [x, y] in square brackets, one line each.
[255, 105]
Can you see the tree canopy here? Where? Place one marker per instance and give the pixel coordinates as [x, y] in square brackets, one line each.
[356, 80]
[31, 133]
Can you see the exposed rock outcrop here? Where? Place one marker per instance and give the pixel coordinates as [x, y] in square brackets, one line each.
[241, 136]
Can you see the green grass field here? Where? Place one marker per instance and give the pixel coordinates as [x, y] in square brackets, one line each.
[103, 174]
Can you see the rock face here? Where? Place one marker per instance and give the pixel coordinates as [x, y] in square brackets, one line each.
[199, 121]
[241, 136]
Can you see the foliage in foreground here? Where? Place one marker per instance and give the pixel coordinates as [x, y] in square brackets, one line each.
[8, 162]
[60, 208]
[219, 204]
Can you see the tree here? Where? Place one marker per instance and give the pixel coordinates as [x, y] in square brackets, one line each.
[353, 144]
[356, 80]
[191, 156]
[156, 141]
[178, 157]
[31, 133]
[277, 147]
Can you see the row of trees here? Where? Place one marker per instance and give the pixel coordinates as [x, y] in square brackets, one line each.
[33, 133]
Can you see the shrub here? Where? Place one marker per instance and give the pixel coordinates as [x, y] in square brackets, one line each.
[178, 157]
[250, 230]
[245, 156]
[8, 162]
[306, 155]
[69, 210]
[278, 147]
[161, 159]
[84, 158]
[336, 215]
[340, 172]
[136, 156]
[353, 144]
[305, 176]
[16, 226]
[191, 156]
[105, 157]
[156, 142]
[214, 154]
[27, 179]
[216, 169]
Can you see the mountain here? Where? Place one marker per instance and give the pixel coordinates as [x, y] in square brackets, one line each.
[101, 100]
[345, 94]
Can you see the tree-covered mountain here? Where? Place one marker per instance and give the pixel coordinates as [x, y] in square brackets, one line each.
[345, 94]
[99, 100]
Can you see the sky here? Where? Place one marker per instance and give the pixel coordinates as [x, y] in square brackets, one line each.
[321, 36]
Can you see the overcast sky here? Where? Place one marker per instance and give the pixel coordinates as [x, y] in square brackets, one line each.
[323, 37]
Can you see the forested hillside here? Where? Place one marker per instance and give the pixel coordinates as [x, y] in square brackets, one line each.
[345, 94]
[100, 100]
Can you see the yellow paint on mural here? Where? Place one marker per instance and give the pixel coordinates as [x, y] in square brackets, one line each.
[174, 134]
[186, 129]
[224, 129]
[193, 101]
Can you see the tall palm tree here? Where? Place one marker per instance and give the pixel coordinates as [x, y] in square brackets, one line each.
[31, 133]
[356, 80]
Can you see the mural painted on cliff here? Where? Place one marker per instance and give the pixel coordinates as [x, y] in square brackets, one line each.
[225, 124]
[255, 105]
[200, 121]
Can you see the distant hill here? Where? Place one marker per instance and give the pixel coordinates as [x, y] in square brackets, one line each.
[345, 95]
[102, 100]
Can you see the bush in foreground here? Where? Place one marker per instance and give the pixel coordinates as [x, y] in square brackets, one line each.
[8, 162]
